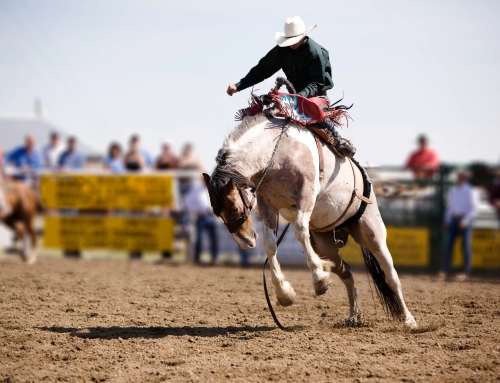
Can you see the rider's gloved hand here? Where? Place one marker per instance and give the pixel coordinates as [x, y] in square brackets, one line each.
[231, 89]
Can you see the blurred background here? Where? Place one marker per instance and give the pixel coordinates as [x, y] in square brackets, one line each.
[139, 86]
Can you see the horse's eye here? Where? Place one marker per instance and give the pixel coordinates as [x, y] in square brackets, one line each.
[235, 211]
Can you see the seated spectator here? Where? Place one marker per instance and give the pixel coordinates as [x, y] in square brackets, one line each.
[188, 160]
[114, 162]
[52, 152]
[71, 158]
[494, 196]
[167, 159]
[148, 160]
[134, 160]
[424, 162]
[27, 159]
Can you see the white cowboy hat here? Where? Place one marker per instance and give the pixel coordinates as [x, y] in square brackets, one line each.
[295, 29]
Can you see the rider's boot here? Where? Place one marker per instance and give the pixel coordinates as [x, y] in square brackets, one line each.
[342, 146]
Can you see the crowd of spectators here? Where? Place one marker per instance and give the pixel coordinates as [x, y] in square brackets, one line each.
[137, 159]
[27, 159]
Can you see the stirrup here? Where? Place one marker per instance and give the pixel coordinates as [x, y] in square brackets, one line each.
[346, 142]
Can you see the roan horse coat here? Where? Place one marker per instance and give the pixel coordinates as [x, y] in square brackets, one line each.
[292, 187]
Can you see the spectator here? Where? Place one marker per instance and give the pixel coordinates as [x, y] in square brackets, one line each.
[424, 162]
[494, 196]
[114, 162]
[188, 160]
[460, 211]
[52, 152]
[144, 153]
[27, 159]
[198, 203]
[167, 159]
[71, 158]
[134, 160]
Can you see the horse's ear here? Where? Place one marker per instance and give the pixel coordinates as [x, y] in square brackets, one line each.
[206, 177]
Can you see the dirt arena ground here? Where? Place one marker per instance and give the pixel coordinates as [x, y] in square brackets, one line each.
[121, 321]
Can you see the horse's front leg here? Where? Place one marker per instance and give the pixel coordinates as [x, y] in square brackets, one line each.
[284, 291]
[320, 268]
[31, 247]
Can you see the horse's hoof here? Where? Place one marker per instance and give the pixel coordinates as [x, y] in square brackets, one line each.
[31, 260]
[352, 321]
[287, 296]
[285, 302]
[410, 323]
[322, 287]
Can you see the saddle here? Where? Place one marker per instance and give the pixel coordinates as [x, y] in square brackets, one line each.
[305, 112]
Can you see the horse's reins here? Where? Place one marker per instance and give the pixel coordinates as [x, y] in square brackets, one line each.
[268, 300]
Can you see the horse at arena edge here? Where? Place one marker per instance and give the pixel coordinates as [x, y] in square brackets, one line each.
[289, 183]
[23, 203]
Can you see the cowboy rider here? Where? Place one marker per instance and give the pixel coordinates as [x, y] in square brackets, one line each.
[306, 65]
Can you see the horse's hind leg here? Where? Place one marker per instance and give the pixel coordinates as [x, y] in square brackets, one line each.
[371, 233]
[324, 245]
[20, 230]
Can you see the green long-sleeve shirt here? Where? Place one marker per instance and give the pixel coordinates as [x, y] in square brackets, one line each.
[307, 68]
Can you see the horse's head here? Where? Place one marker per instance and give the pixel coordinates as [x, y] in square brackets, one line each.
[232, 200]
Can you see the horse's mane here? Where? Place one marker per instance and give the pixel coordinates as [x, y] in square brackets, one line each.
[221, 175]
[247, 124]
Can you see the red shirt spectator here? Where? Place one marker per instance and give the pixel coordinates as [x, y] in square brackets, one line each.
[425, 161]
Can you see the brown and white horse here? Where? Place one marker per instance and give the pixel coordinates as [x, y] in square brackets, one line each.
[294, 188]
[23, 205]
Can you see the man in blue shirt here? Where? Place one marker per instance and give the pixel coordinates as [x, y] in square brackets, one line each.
[27, 159]
[71, 158]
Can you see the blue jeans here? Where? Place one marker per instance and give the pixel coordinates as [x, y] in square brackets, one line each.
[206, 223]
[454, 231]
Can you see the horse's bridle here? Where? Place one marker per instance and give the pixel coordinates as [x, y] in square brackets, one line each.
[248, 203]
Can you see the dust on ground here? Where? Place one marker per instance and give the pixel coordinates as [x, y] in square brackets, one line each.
[122, 321]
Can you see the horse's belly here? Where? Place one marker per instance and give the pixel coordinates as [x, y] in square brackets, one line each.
[289, 214]
[328, 209]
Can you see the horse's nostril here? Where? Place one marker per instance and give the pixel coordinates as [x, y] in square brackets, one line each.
[255, 235]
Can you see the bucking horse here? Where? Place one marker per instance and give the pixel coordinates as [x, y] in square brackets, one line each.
[275, 163]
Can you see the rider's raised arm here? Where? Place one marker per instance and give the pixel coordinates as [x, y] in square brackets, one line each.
[266, 67]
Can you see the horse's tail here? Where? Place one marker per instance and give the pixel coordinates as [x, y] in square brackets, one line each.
[387, 297]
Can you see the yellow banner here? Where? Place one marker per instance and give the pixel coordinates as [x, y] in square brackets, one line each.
[106, 232]
[485, 249]
[409, 246]
[132, 192]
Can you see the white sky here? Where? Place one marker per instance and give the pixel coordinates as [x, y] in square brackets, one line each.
[106, 69]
